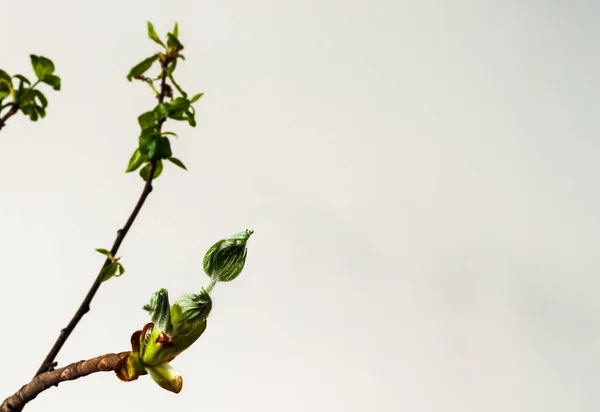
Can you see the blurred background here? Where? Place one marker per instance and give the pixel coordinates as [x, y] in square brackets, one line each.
[421, 178]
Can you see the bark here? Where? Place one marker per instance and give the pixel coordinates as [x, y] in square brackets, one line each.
[40, 383]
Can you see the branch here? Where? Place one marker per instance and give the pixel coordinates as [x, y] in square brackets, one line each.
[13, 110]
[48, 363]
[70, 372]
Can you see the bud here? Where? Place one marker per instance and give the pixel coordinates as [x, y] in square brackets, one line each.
[225, 260]
[166, 376]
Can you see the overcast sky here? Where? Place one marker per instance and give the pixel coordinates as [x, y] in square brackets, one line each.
[422, 179]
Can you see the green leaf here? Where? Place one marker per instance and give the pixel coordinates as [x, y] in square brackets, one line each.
[176, 30]
[5, 76]
[160, 310]
[168, 134]
[137, 159]
[53, 81]
[162, 111]
[142, 67]
[41, 66]
[41, 111]
[166, 377]
[120, 269]
[152, 34]
[177, 162]
[196, 98]
[195, 307]
[180, 104]
[6, 85]
[104, 252]
[173, 42]
[41, 98]
[157, 171]
[147, 120]
[225, 259]
[191, 118]
[22, 78]
[108, 271]
[155, 146]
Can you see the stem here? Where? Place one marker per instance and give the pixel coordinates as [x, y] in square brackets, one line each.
[48, 363]
[13, 110]
[40, 383]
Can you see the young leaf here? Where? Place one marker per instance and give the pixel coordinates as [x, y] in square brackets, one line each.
[104, 252]
[22, 78]
[162, 111]
[225, 259]
[173, 42]
[120, 269]
[41, 98]
[136, 161]
[160, 310]
[176, 30]
[108, 271]
[5, 84]
[157, 171]
[196, 98]
[177, 162]
[41, 111]
[41, 66]
[142, 67]
[52, 80]
[147, 120]
[152, 34]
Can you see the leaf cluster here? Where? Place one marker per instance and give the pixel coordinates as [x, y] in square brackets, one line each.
[23, 93]
[154, 145]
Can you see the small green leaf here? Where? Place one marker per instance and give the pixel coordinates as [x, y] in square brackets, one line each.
[53, 81]
[152, 34]
[41, 111]
[196, 98]
[147, 120]
[161, 111]
[168, 134]
[177, 162]
[41, 98]
[120, 269]
[108, 271]
[160, 310]
[137, 159]
[41, 66]
[176, 30]
[142, 67]
[225, 259]
[157, 171]
[104, 252]
[180, 104]
[22, 78]
[173, 42]
[6, 85]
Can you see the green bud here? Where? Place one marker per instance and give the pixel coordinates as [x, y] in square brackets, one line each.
[166, 376]
[225, 260]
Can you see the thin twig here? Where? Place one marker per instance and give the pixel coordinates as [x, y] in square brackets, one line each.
[13, 110]
[46, 380]
[47, 364]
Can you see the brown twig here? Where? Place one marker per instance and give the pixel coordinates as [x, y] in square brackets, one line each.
[13, 110]
[47, 364]
[46, 380]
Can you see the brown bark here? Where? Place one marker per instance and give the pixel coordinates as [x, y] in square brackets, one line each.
[70, 372]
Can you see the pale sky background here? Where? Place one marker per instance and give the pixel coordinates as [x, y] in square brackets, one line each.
[422, 177]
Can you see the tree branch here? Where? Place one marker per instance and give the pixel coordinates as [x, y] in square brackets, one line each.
[48, 363]
[70, 372]
[13, 110]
